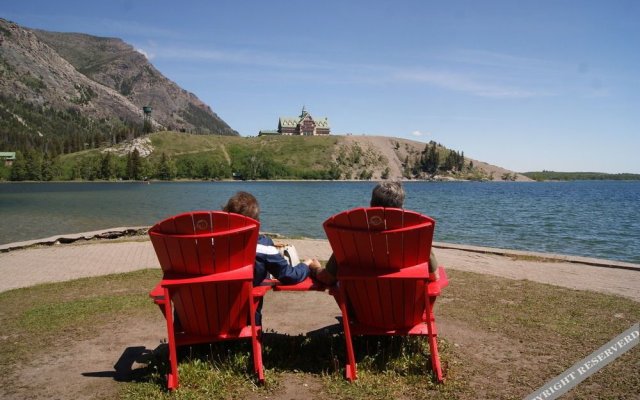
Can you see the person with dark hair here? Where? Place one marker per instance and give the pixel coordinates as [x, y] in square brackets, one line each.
[386, 194]
[268, 258]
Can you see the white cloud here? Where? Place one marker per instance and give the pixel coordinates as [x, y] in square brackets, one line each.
[148, 56]
[243, 57]
[502, 61]
[420, 133]
[465, 83]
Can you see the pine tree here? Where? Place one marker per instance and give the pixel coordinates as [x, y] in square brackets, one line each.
[134, 165]
[19, 168]
[164, 168]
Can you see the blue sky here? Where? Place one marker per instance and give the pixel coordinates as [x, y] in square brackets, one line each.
[524, 85]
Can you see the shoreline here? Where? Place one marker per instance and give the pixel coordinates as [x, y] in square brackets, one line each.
[437, 179]
[90, 255]
[141, 232]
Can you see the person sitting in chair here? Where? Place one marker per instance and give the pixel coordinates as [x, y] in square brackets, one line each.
[388, 194]
[268, 258]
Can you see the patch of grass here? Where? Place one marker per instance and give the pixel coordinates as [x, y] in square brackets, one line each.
[208, 371]
[551, 327]
[388, 367]
[38, 318]
[524, 333]
[52, 317]
[34, 83]
[532, 258]
[292, 156]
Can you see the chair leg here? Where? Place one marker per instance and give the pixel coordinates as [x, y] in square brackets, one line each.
[256, 342]
[350, 367]
[172, 377]
[257, 358]
[433, 341]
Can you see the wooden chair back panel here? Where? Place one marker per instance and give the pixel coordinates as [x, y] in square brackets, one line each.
[222, 243]
[384, 239]
[377, 220]
[183, 247]
[239, 253]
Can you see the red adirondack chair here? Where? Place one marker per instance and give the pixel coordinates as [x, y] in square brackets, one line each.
[384, 286]
[207, 258]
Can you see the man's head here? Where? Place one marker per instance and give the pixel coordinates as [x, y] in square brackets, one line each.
[243, 203]
[388, 194]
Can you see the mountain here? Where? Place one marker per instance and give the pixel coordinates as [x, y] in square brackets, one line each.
[100, 79]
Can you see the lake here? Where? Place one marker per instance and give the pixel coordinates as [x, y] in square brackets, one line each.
[587, 218]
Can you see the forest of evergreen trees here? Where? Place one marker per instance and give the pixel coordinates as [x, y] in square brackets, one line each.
[26, 127]
[34, 166]
[435, 159]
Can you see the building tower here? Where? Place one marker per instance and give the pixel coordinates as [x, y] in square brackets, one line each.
[147, 126]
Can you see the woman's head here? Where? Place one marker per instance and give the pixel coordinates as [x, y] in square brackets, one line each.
[243, 203]
[388, 194]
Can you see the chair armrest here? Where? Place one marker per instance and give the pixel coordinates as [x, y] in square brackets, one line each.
[244, 273]
[444, 279]
[157, 294]
[434, 287]
[420, 271]
[260, 291]
[305, 285]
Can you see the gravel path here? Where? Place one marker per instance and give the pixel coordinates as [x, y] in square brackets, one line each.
[57, 263]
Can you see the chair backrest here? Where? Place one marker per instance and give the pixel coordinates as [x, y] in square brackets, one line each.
[370, 243]
[205, 242]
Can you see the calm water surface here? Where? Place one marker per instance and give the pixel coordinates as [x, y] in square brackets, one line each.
[596, 219]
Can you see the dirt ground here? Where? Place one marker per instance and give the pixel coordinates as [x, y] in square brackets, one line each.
[94, 368]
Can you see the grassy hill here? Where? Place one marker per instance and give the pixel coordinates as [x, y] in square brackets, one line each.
[582, 176]
[172, 155]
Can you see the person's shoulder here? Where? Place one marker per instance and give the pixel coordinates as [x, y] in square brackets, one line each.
[265, 240]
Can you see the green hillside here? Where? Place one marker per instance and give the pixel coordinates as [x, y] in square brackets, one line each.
[174, 156]
[184, 156]
[579, 176]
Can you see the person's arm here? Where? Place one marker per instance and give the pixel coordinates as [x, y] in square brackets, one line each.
[433, 262]
[278, 266]
[433, 265]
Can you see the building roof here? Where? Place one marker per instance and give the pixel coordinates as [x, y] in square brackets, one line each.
[289, 122]
[322, 122]
[268, 132]
[9, 155]
[292, 122]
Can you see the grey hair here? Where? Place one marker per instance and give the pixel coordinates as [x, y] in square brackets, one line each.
[388, 194]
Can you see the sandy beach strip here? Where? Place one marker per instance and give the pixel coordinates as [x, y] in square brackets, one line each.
[28, 263]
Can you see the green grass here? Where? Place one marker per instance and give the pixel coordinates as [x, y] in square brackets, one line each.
[33, 318]
[173, 143]
[278, 157]
[534, 331]
[572, 176]
[552, 328]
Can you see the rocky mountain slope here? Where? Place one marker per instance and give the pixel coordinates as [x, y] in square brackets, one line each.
[394, 152]
[100, 78]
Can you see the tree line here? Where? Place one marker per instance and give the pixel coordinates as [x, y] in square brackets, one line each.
[434, 159]
[573, 176]
[35, 166]
[27, 127]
